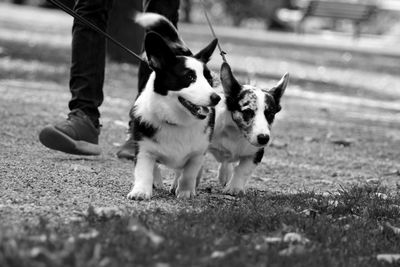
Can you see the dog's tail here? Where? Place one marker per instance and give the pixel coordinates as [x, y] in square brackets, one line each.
[158, 23]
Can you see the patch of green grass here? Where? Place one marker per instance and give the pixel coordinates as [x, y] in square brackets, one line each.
[345, 228]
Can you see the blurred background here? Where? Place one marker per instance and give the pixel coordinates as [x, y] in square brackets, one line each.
[382, 21]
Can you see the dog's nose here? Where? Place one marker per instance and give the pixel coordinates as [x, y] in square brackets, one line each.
[215, 98]
[263, 139]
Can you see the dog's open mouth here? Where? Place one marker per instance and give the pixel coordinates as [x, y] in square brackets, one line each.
[199, 112]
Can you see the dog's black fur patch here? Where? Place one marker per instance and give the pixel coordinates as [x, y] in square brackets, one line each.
[258, 156]
[140, 130]
[244, 110]
[271, 108]
[211, 123]
[173, 78]
[168, 31]
[207, 75]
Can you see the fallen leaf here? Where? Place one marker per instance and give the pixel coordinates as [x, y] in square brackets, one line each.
[262, 179]
[323, 181]
[309, 213]
[75, 219]
[43, 254]
[228, 197]
[38, 238]
[333, 203]
[330, 194]
[373, 181]
[89, 235]
[221, 254]
[295, 238]
[37, 251]
[390, 258]
[381, 196]
[108, 212]
[278, 145]
[136, 226]
[310, 139]
[105, 262]
[273, 240]
[78, 167]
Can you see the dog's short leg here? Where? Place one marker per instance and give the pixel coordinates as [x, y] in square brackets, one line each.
[198, 178]
[157, 182]
[187, 182]
[174, 184]
[236, 185]
[143, 185]
[225, 172]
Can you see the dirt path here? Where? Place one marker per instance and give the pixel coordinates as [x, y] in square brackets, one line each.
[35, 181]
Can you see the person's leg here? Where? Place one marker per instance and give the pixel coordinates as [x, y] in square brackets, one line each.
[79, 133]
[88, 58]
[169, 9]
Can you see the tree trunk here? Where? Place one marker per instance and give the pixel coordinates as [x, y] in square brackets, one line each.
[123, 29]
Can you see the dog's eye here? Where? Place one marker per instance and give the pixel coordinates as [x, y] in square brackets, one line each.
[190, 76]
[248, 114]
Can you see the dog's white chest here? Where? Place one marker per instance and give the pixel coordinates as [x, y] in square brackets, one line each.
[174, 146]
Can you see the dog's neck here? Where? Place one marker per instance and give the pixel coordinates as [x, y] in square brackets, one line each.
[224, 118]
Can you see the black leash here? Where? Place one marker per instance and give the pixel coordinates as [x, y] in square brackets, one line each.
[95, 28]
[221, 52]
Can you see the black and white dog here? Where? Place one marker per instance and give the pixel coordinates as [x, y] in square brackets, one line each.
[242, 128]
[173, 116]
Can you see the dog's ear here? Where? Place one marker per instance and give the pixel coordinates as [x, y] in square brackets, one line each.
[205, 54]
[158, 52]
[279, 89]
[229, 83]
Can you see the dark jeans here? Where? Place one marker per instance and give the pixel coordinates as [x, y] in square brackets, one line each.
[89, 52]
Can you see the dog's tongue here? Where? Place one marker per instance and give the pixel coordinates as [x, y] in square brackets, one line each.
[203, 112]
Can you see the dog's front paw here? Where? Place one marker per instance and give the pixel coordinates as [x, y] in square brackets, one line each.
[139, 194]
[172, 189]
[158, 184]
[185, 194]
[234, 191]
[223, 180]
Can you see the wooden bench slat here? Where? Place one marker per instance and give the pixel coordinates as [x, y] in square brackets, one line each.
[337, 10]
[344, 15]
[356, 12]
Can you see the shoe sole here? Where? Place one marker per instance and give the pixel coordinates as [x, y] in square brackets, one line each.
[122, 154]
[54, 139]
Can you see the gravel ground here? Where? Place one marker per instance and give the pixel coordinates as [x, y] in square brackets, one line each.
[332, 132]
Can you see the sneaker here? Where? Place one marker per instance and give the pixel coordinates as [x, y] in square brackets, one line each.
[76, 135]
[127, 150]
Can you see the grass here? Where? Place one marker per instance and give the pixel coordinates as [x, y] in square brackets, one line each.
[41, 200]
[345, 228]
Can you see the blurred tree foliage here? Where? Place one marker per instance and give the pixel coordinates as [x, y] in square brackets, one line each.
[240, 10]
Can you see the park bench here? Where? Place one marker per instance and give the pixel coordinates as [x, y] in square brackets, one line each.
[355, 12]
